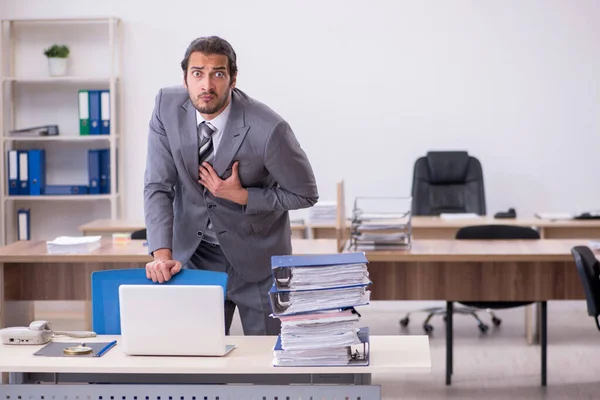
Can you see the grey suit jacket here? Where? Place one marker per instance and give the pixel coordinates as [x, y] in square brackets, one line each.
[272, 166]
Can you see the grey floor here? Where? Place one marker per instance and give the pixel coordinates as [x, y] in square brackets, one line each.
[497, 365]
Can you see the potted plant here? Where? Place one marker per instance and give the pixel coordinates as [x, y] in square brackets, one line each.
[57, 59]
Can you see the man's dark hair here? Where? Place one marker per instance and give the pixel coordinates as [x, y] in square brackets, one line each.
[211, 45]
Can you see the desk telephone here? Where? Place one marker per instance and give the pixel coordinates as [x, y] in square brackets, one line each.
[38, 332]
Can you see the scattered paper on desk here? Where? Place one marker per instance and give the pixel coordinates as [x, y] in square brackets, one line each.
[555, 216]
[459, 216]
[73, 244]
[594, 244]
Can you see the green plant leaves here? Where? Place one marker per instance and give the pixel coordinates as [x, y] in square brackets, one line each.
[60, 51]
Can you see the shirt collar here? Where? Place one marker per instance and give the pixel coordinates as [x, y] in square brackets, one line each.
[219, 122]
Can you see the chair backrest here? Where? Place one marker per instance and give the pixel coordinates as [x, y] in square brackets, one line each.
[496, 232]
[139, 235]
[106, 317]
[448, 182]
[489, 232]
[588, 269]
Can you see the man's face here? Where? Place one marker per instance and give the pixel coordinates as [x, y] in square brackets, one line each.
[209, 83]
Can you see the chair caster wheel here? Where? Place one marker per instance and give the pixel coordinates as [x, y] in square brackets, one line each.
[427, 328]
[404, 321]
[483, 328]
[496, 321]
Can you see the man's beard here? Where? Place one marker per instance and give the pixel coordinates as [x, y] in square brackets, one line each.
[211, 109]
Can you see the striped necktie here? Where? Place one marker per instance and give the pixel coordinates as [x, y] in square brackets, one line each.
[205, 147]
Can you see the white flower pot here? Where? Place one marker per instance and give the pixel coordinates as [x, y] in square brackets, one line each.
[57, 66]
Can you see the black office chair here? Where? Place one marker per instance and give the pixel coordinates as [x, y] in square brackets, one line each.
[446, 182]
[139, 235]
[588, 268]
[482, 232]
[494, 232]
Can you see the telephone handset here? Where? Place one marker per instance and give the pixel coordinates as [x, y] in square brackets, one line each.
[38, 332]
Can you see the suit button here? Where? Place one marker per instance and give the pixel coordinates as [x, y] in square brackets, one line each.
[211, 206]
[199, 233]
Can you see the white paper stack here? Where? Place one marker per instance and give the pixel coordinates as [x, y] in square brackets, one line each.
[308, 358]
[321, 338]
[319, 330]
[323, 212]
[73, 244]
[333, 276]
[311, 300]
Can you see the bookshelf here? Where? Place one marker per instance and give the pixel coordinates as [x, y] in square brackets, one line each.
[31, 97]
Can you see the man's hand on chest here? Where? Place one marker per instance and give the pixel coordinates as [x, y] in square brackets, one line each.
[229, 189]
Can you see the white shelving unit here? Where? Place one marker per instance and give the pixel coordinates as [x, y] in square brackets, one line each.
[30, 97]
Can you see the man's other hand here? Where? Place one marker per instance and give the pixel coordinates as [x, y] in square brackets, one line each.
[161, 269]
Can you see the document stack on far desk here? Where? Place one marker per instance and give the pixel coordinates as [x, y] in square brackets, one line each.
[314, 298]
[381, 223]
[324, 212]
[73, 244]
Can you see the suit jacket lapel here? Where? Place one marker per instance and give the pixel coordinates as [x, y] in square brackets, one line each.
[188, 134]
[233, 136]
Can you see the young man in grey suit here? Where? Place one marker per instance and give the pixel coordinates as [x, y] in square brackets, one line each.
[222, 172]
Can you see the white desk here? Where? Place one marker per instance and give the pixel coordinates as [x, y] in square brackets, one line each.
[249, 363]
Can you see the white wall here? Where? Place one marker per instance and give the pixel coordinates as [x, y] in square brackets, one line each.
[369, 88]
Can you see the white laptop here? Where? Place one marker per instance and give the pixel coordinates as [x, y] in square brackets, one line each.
[173, 320]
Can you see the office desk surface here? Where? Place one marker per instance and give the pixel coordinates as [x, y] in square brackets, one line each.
[452, 250]
[253, 354]
[125, 225]
[110, 226]
[134, 251]
[439, 222]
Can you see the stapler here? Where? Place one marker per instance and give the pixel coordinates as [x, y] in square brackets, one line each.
[44, 130]
[511, 213]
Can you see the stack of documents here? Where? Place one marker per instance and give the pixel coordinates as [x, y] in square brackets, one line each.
[323, 212]
[73, 244]
[314, 297]
[374, 231]
[319, 271]
[351, 354]
[381, 223]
